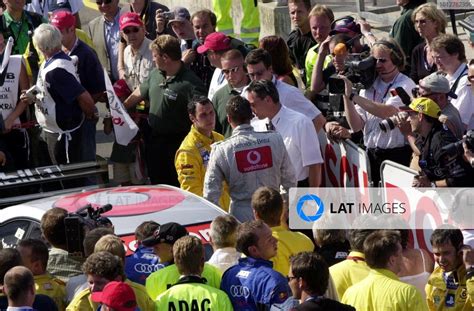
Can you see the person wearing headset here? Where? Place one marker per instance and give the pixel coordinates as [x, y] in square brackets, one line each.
[366, 110]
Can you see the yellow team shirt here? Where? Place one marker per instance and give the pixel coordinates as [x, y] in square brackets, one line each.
[159, 281]
[349, 272]
[289, 243]
[310, 62]
[459, 298]
[194, 296]
[83, 301]
[191, 163]
[382, 290]
[52, 287]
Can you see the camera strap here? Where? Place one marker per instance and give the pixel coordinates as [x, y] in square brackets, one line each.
[455, 85]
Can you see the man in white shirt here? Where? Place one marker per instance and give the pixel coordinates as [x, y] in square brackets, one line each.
[450, 58]
[259, 67]
[297, 130]
[19, 286]
[138, 60]
[223, 236]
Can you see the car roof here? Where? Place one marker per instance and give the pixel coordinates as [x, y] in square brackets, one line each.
[131, 206]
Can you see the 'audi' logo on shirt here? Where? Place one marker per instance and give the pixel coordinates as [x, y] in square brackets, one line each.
[146, 268]
[254, 159]
[239, 291]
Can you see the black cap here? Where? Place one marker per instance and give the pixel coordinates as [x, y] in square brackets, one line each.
[166, 233]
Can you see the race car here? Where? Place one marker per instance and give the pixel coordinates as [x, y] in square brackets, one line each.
[130, 207]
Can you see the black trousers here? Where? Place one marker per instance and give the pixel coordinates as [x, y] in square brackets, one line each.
[160, 153]
[400, 155]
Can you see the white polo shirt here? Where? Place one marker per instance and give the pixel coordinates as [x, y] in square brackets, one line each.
[292, 97]
[379, 92]
[218, 80]
[465, 101]
[300, 138]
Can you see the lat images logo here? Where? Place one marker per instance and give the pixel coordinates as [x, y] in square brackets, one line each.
[311, 198]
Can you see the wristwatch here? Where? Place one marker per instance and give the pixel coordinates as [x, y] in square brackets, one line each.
[351, 97]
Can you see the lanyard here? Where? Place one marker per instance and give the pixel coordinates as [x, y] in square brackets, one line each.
[386, 91]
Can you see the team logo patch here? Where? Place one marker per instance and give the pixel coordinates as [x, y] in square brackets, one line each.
[449, 302]
[463, 294]
[283, 296]
[254, 159]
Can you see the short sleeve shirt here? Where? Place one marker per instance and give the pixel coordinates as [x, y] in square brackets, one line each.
[169, 98]
[379, 92]
[300, 138]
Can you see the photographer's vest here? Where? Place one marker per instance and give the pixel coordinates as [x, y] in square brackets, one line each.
[46, 107]
[9, 88]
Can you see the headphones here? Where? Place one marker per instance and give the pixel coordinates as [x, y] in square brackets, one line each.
[396, 53]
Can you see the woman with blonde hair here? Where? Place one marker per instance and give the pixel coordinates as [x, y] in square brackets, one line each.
[429, 22]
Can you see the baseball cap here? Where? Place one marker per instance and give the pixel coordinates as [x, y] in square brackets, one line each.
[63, 20]
[345, 24]
[130, 19]
[216, 41]
[121, 88]
[180, 14]
[116, 295]
[437, 83]
[425, 106]
[166, 233]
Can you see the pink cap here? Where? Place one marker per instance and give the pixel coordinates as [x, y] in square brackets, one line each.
[63, 20]
[216, 41]
[130, 19]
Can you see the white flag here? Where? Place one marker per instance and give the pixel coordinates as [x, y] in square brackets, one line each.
[124, 127]
[6, 54]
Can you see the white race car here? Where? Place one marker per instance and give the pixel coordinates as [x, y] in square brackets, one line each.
[130, 207]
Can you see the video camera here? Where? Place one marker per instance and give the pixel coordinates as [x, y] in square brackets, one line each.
[456, 149]
[359, 70]
[82, 221]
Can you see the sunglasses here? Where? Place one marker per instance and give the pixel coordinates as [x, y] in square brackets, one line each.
[130, 30]
[103, 2]
[416, 93]
[233, 70]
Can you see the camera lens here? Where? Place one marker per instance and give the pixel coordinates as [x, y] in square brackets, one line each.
[387, 125]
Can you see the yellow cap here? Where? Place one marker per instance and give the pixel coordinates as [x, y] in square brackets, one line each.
[426, 106]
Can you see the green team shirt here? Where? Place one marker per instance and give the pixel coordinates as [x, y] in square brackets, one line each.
[19, 31]
[193, 296]
[169, 98]
[159, 281]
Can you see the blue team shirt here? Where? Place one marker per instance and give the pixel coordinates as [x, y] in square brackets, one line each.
[252, 284]
[64, 89]
[141, 264]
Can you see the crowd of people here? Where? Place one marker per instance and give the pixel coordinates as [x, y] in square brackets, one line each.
[255, 265]
[239, 123]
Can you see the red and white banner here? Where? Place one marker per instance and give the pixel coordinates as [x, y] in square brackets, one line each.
[124, 127]
[345, 164]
